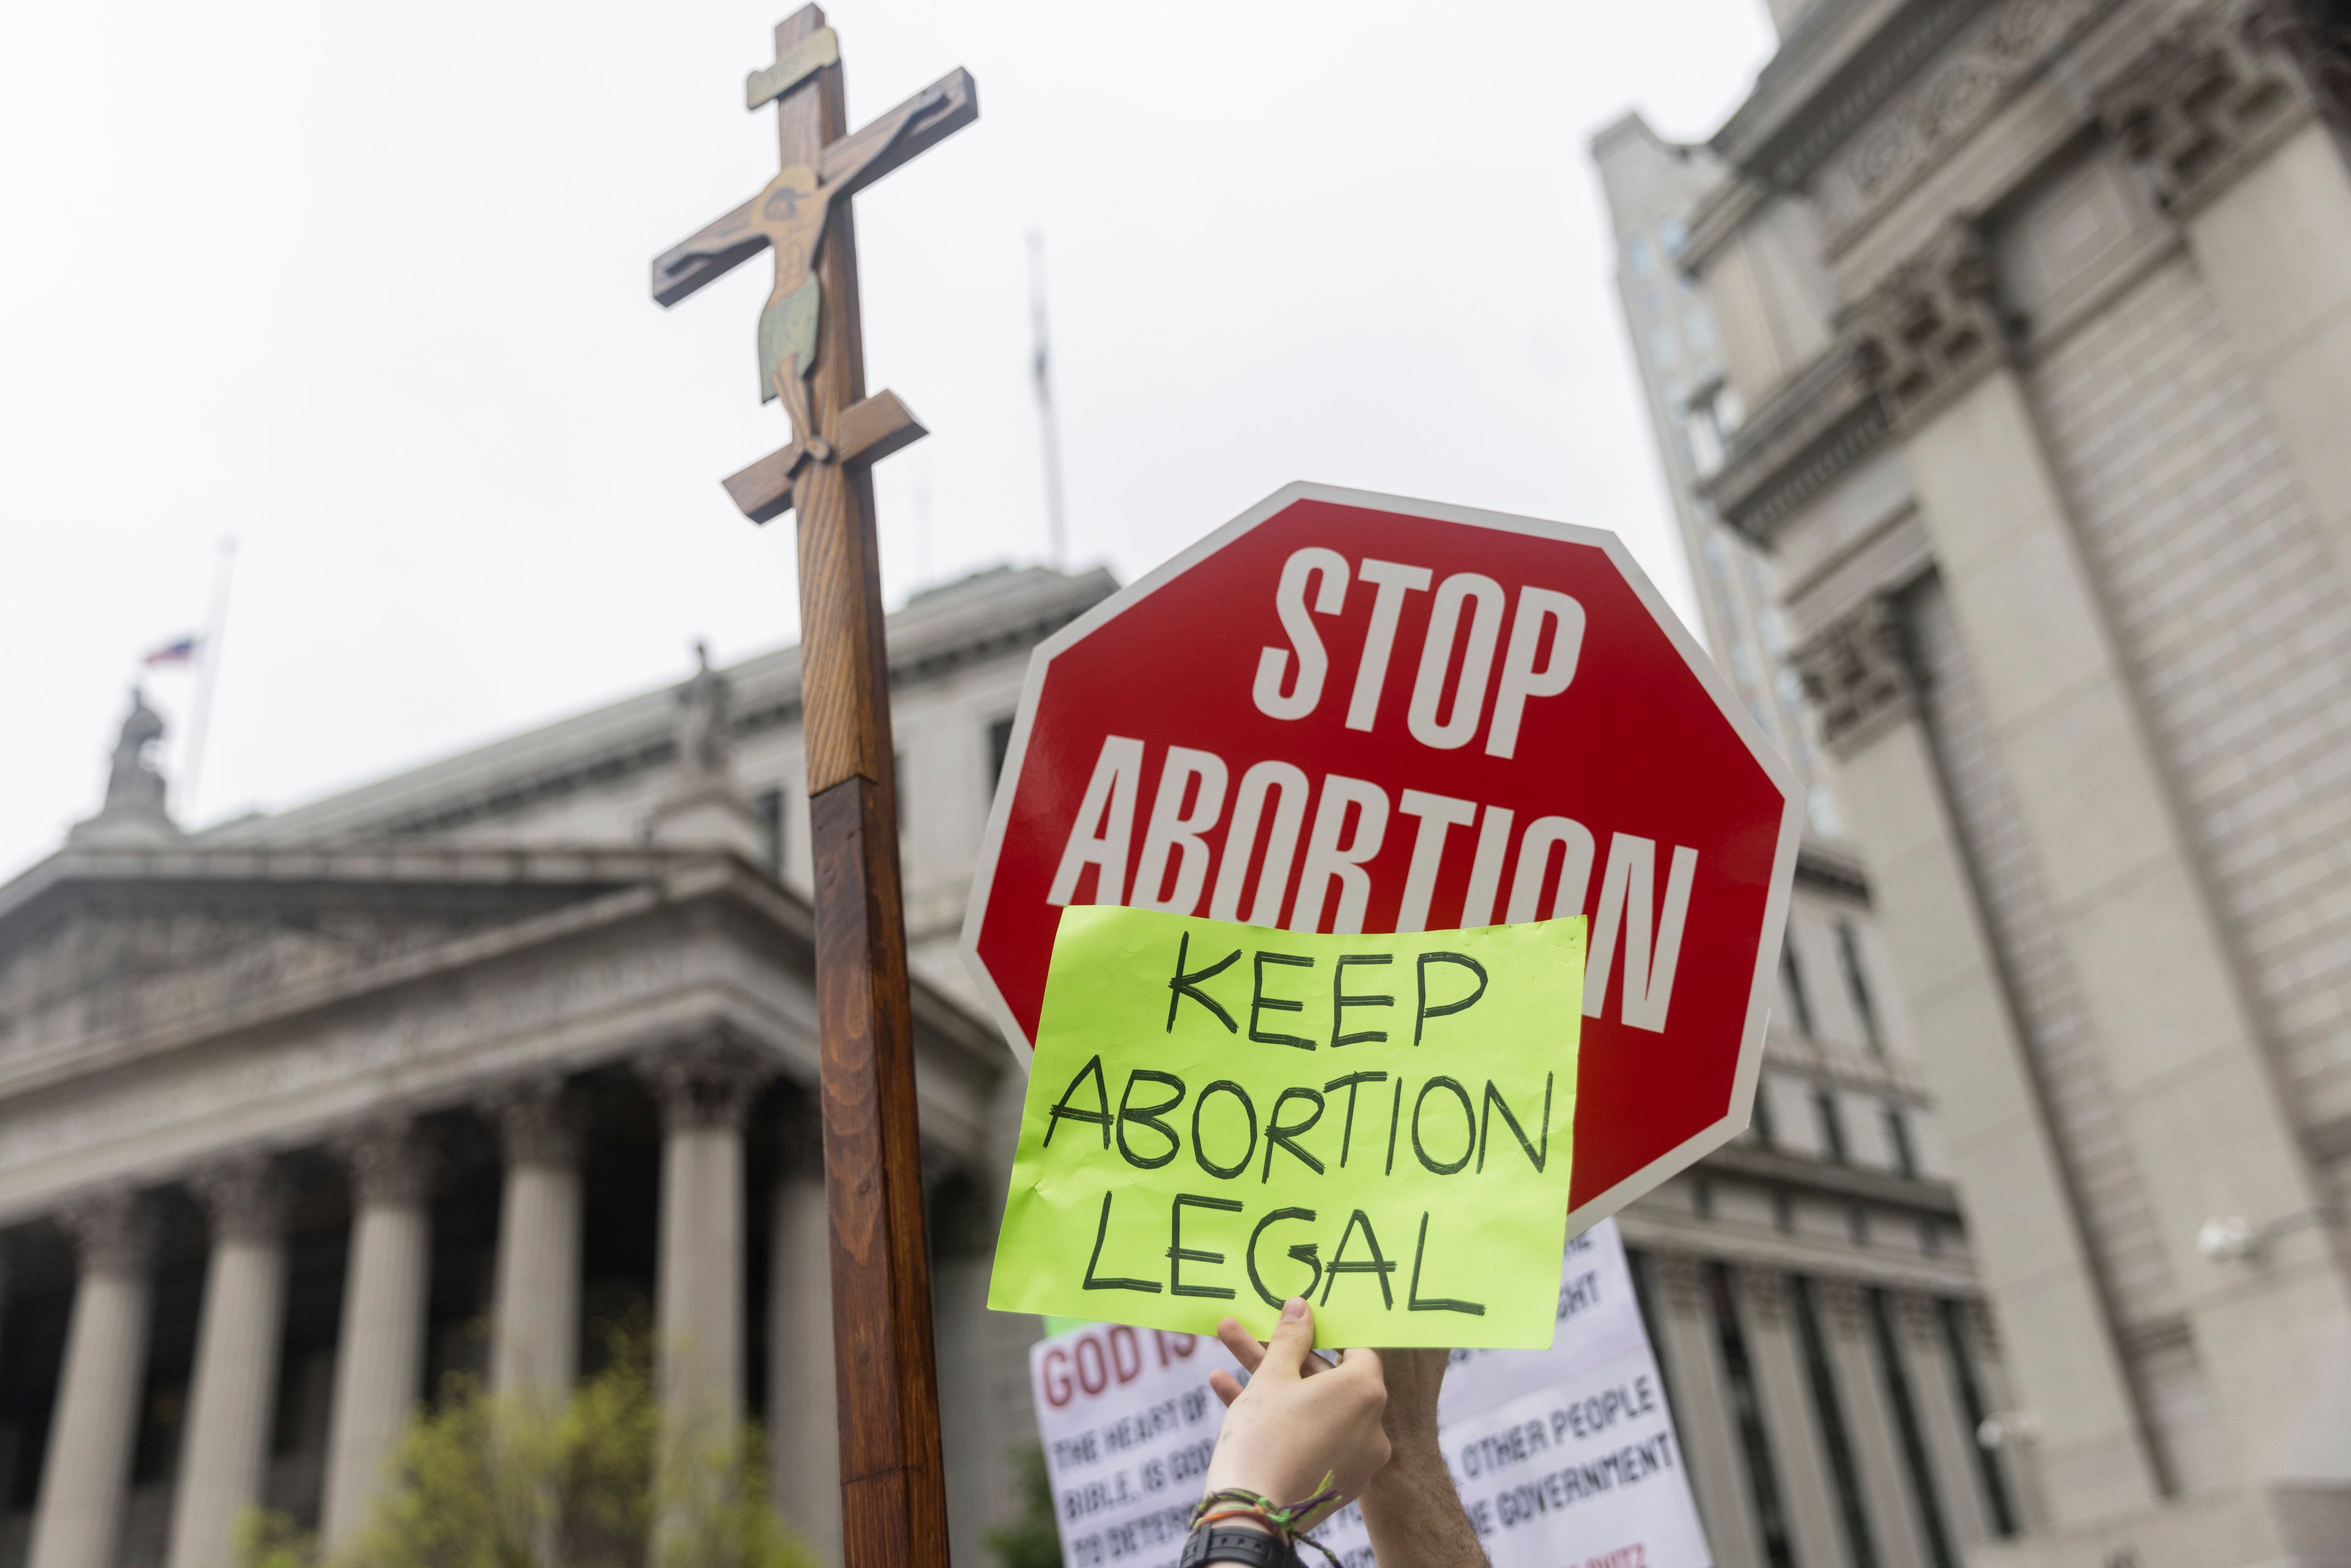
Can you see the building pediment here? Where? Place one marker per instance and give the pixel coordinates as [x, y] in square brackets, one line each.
[114, 945]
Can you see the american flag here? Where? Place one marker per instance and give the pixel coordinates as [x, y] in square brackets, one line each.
[179, 651]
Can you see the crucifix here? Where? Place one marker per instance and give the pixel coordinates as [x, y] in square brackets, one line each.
[811, 358]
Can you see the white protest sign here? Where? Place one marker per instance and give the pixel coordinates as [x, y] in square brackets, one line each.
[1564, 1458]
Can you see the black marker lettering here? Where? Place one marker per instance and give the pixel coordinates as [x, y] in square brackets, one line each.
[1061, 1112]
[1286, 1133]
[1378, 1264]
[1395, 1115]
[1303, 1252]
[1178, 1254]
[1420, 978]
[1148, 1116]
[1200, 1149]
[1494, 1102]
[1412, 1302]
[1351, 1082]
[1340, 1000]
[1115, 1283]
[1468, 1125]
[1184, 984]
[1259, 1003]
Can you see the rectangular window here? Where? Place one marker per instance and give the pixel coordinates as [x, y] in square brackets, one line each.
[999, 741]
[770, 805]
[1897, 1138]
[1791, 980]
[1857, 985]
[1824, 1111]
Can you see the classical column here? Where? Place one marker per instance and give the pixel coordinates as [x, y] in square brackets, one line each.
[705, 1087]
[2226, 113]
[1789, 1418]
[804, 1417]
[234, 1393]
[1949, 1437]
[87, 1472]
[1894, 1522]
[1702, 1417]
[380, 1359]
[535, 1337]
[2023, 1229]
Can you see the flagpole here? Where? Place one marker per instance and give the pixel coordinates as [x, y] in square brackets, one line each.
[200, 724]
[1041, 374]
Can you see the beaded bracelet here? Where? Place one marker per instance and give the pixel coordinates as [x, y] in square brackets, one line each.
[1280, 1520]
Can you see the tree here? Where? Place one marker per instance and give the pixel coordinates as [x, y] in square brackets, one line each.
[485, 1480]
[1033, 1539]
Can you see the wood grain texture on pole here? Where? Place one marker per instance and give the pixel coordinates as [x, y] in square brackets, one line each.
[893, 1491]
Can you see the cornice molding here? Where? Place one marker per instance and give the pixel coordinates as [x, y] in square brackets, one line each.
[1975, 68]
[1803, 106]
[2219, 86]
[1825, 420]
[1858, 674]
[1931, 326]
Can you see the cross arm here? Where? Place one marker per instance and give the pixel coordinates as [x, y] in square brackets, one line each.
[938, 111]
[869, 431]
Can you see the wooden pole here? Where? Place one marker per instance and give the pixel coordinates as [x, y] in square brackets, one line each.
[893, 1491]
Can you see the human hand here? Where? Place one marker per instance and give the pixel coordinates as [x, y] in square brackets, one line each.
[1301, 1419]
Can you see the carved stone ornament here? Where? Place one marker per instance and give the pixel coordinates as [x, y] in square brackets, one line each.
[1983, 1325]
[246, 1197]
[389, 1164]
[1917, 1317]
[2316, 35]
[110, 1230]
[1843, 1306]
[706, 1081]
[539, 1123]
[1951, 99]
[1681, 1281]
[1931, 325]
[1858, 674]
[1763, 1296]
[2216, 88]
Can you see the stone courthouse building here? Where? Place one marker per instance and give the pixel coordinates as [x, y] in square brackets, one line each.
[303, 1112]
[2033, 379]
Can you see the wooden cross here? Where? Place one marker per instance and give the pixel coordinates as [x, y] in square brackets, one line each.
[812, 358]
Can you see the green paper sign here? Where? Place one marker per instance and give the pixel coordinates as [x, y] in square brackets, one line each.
[1222, 1116]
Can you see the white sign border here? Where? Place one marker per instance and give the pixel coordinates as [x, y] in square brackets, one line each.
[1775, 766]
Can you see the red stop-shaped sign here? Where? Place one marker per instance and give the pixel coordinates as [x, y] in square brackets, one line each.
[1352, 712]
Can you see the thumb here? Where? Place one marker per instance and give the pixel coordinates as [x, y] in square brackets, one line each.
[1293, 1339]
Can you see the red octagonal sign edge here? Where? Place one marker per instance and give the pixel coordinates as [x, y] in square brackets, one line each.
[1429, 713]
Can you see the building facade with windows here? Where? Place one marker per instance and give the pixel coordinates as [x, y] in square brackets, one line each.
[2035, 326]
[290, 1109]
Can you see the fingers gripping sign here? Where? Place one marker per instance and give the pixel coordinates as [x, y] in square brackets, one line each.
[1304, 1425]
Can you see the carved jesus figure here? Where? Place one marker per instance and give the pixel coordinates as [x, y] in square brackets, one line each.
[791, 213]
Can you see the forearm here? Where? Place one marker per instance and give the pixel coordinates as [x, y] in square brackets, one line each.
[1414, 1515]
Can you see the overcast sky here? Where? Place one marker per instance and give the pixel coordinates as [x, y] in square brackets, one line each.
[365, 287]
